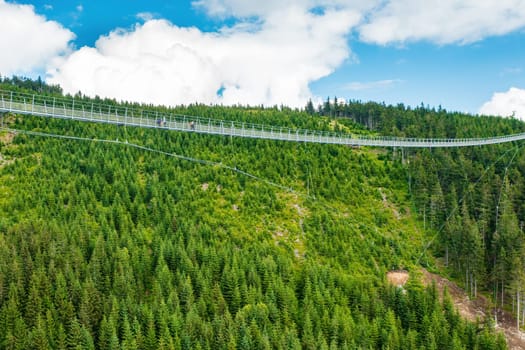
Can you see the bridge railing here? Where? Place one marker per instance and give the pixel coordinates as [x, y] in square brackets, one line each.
[144, 116]
[87, 110]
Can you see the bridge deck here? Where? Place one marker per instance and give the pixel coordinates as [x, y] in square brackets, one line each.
[44, 106]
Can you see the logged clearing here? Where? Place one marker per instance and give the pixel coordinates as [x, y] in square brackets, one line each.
[7, 138]
[473, 309]
[397, 278]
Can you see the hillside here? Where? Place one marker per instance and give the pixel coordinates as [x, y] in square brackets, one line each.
[109, 246]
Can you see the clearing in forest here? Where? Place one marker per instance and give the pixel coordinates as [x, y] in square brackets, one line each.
[473, 309]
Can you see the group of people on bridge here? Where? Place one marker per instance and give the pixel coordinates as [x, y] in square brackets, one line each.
[162, 123]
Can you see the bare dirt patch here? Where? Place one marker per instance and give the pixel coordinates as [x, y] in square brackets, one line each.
[467, 308]
[7, 138]
[389, 205]
[473, 309]
[397, 278]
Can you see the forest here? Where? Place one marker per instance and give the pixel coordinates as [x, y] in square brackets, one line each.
[471, 199]
[254, 244]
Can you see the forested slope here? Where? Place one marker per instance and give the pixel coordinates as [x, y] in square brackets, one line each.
[108, 246]
[472, 199]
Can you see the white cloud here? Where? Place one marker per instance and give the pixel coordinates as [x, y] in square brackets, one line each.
[510, 103]
[28, 41]
[275, 49]
[399, 21]
[269, 63]
[145, 16]
[257, 8]
[379, 84]
[441, 21]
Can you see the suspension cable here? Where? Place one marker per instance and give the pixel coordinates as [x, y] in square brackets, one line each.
[467, 192]
[152, 150]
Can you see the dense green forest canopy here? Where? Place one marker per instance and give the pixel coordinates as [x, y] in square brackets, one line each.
[106, 246]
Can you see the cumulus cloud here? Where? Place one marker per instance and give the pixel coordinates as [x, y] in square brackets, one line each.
[269, 62]
[510, 103]
[29, 41]
[441, 21]
[275, 49]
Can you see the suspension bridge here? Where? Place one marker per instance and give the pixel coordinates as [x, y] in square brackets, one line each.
[80, 110]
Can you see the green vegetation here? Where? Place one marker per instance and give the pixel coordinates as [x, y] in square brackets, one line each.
[106, 246]
[472, 199]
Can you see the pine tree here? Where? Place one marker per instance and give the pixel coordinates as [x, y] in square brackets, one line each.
[310, 107]
[34, 305]
[90, 306]
[471, 252]
[437, 205]
[506, 239]
[39, 339]
[61, 342]
[151, 337]
[104, 334]
[128, 339]
[186, 294]
[87, 339]
[308, 338]
[74, 335]
[517, 284]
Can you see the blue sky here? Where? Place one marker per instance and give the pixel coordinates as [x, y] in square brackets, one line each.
[98, 17]
[458, 77]
[462, 55]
